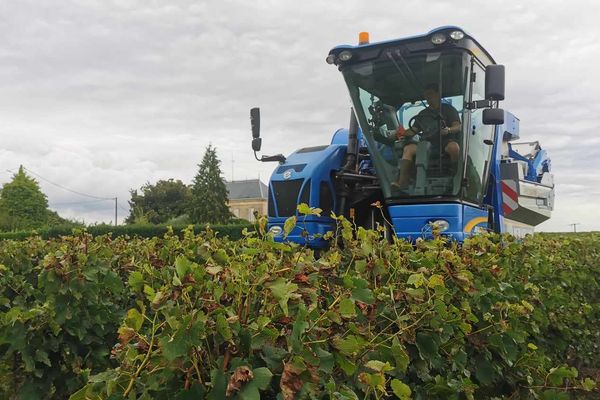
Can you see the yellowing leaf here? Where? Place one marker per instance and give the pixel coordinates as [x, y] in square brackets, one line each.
[134, 319]
[416, 279]
[289, 225]
[303, 208]
[379, 366]
[435, 280]
[532, 346]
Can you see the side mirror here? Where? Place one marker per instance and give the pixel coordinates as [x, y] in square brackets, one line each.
[255, 122]
[256, 143]
[493, 116]
[494, 82]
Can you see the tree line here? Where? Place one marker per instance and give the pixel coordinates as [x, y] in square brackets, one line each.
[173, 202]
[23, 205]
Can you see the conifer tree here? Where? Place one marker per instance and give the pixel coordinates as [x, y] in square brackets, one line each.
[22, 204]
[209, 194]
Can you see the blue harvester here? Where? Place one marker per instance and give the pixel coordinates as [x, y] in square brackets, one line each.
[495, 185]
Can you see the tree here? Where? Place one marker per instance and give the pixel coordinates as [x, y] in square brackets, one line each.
[22, 204]
[209, 193]
[158, 203]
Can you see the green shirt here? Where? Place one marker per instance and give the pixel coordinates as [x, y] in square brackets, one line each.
[428, 119]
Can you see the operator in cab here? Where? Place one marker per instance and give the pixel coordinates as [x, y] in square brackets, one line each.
[427, 124]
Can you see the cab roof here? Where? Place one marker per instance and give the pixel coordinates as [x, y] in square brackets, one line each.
[417, 43]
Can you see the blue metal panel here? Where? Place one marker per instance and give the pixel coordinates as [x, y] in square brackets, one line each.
[412, 221]
[318, 166]
[473, 217]
[315, 228]
[341, 137]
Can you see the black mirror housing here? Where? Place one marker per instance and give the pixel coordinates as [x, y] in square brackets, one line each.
[255, 123]
[256, 143]
[493, 116]
[494, 82]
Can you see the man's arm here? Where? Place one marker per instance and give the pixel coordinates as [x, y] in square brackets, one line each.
[452, 116]
[452, 129]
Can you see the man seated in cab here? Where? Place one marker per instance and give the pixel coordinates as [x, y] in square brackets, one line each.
[426, 124]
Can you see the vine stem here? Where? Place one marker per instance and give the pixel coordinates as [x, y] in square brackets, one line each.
[144, 362]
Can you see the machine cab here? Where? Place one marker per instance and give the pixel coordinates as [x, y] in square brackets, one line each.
[420, 103]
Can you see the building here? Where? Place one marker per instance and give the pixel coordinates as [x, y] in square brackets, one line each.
[247, 197]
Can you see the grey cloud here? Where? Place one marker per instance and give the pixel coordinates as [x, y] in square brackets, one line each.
[103, 96]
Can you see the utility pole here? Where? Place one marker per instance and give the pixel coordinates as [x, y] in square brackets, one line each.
[116, 202]
[574, 227]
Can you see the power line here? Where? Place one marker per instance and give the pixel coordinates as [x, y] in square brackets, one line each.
[66, 188]
[75, 191]
[67, 203]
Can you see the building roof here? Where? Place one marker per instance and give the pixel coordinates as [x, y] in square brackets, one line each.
[247, 189]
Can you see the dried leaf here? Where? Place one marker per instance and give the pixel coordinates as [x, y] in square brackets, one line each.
[239, 376]
[290, 382]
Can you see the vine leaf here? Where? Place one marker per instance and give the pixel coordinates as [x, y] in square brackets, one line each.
[282, 291]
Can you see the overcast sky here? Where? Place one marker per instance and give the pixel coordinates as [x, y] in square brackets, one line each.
[103, 96]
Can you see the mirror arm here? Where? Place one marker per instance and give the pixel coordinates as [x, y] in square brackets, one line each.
[278, 157]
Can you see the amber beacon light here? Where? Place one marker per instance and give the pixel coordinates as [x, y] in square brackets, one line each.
[363, 38]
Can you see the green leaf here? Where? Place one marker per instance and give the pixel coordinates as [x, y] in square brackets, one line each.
[182, 266]
[350, 345]
[363, 295]
[174, 347]
[221, 256]
[223, 327]
[195, 392]
[484, 371]
[558, 374]
[300, 325]
[347, 308]
[554, 395]
[219, 385]
[400, 389]
[262, 378]
[81, 394]
[326, 361]
[105, 376]
[134, 319]
[261, 381]
[400, 355]
[346, 365]
[149, 292]
[282, 291]
[176, 281]
[42, 356]
[136, 280]
[588, 384]
[428, 347]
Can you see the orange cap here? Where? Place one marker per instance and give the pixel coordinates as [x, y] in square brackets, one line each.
[363, 38]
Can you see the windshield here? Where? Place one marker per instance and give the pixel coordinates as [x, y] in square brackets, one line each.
[410, 109]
